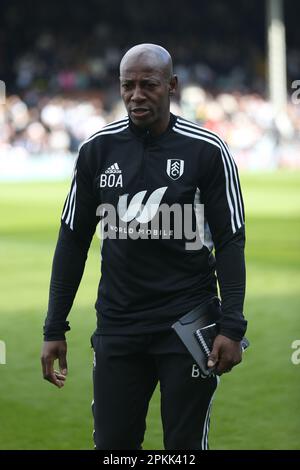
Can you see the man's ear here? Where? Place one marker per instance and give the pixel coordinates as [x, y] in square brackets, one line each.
[173, 85]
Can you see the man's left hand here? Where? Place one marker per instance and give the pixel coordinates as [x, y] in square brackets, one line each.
[225, 354]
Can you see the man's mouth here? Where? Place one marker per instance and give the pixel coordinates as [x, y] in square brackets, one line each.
[139, 112]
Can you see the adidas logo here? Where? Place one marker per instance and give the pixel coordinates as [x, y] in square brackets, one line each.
[113, 169]
[112, 177]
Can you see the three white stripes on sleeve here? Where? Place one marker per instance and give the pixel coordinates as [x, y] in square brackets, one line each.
[231, 179]
[70, 205]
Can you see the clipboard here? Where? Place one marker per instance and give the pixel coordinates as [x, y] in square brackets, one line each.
[197, 330]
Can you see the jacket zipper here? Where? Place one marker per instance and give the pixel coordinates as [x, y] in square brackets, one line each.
[145, 144]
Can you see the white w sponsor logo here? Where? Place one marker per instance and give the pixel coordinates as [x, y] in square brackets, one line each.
[142, 214]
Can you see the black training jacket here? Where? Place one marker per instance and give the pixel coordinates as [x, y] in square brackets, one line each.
[150, 280]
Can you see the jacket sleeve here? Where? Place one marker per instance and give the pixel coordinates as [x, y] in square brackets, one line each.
[78, 224]
[224, 212]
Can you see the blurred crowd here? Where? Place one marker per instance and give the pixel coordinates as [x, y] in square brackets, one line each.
[61, 73]
[59, 124]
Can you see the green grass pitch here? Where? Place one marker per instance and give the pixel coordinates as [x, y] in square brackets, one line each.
[257, 406]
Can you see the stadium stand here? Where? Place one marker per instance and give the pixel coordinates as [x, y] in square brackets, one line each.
[61, 73]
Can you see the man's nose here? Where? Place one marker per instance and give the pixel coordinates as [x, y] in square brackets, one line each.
[137, 95]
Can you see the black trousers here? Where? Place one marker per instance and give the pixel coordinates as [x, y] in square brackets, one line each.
[126, 372]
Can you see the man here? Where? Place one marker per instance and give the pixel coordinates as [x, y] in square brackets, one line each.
[151, 279]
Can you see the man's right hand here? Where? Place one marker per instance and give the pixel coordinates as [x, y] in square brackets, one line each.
[51, 351]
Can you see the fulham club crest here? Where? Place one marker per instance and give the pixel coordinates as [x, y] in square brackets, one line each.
[175, 168]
